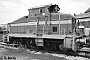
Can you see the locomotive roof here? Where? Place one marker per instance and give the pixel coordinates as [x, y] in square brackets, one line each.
[24, 18]
[41, 6]
[20, 20]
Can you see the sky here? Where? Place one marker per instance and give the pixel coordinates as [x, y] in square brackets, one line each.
[11, 10]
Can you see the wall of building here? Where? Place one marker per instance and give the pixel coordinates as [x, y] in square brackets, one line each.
[84, 19]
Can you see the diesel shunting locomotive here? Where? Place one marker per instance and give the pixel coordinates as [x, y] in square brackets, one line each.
[45, 27]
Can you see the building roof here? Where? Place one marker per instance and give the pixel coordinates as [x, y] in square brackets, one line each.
[25, 19]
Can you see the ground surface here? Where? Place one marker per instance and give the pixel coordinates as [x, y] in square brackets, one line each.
[22, 54]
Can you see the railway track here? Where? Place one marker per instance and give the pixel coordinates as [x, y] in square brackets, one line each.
[68, 53]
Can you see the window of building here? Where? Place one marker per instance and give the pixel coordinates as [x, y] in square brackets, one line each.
[54, 29]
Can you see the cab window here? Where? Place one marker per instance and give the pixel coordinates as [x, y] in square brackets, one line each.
[54, 29]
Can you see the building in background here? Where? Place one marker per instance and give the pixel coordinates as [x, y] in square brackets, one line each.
[84, 19]
[3, 31]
